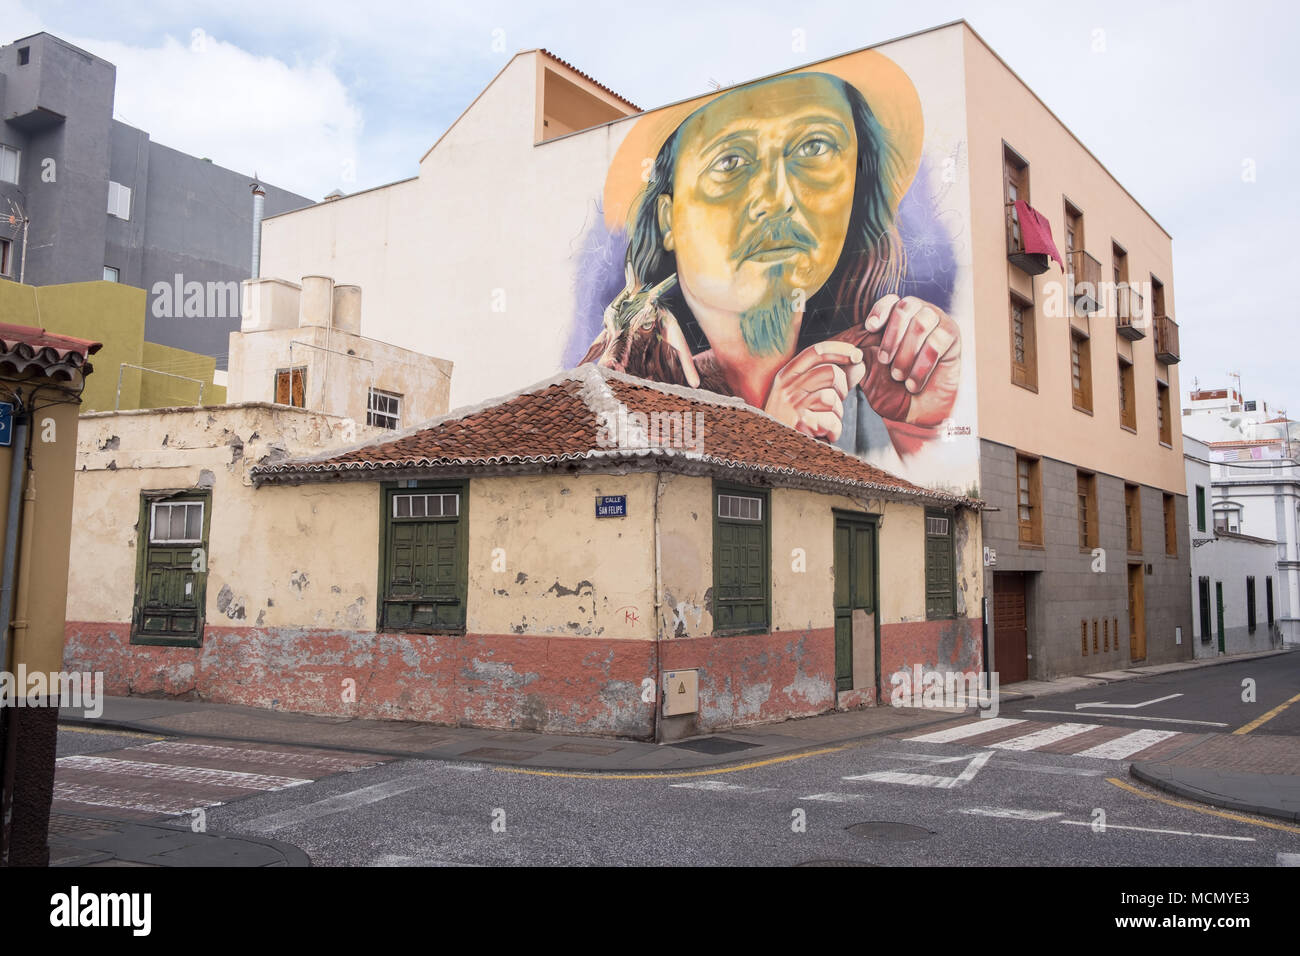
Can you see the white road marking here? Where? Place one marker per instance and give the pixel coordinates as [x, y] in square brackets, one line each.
[292, 759]
[1044, 737]
[978, 726]
[1005, 764]
[1145, 703]
[1288, 859]
[1115, 826]
[392, 859]
[835, 797]
[1011, 813]
[166, 771]
[337, 804]
[1129, 744]
[973, 766]
[1162, 720]
[144, 801]
[718, 785]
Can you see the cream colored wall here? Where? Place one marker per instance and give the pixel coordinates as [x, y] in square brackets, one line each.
[278, 556]
[999, 107]
[342, 387]
[558, 561]
[804, 520]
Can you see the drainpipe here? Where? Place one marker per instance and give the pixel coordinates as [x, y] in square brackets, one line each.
[259, 205]
[9, 758]
[658, 606]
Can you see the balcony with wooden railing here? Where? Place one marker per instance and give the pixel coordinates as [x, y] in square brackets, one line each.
[1130, 319]
[1085, 277]
[1166, 339]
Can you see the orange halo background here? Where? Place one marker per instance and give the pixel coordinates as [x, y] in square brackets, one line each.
[887, 89]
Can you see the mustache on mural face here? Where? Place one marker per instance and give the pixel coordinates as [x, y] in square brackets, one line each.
[774, 234]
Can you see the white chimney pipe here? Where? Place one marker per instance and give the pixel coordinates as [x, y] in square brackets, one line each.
[259, 204]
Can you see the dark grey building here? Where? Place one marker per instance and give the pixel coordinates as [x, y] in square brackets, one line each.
[103, 201]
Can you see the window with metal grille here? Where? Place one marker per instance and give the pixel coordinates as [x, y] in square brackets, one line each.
[426, 506]
[940, 585]
[176, 522]
[384, 409]
[740, 507]
[1027, 498]
[741, 562]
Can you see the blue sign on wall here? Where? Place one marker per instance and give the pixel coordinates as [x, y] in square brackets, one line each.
[611, 506]
[6, 424]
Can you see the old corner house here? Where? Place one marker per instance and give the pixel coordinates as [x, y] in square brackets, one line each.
[510, 566]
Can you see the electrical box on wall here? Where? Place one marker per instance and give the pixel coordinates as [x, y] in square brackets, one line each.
[681, 692]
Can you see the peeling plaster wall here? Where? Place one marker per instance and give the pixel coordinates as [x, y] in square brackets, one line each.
[563, 570]
[279, 556]
[685, 556]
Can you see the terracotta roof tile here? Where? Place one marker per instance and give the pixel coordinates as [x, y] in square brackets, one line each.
[25, 350]
[600, 417]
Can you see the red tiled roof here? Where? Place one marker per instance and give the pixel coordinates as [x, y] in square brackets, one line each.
[25, 350]
[591, 79]
[589, 417]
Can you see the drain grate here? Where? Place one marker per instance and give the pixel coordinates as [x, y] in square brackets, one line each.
[889, 832]
[713, 745]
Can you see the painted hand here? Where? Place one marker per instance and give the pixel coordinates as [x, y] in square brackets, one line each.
[808, 393]
[913, 357]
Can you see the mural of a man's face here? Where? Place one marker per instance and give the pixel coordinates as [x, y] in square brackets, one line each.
[761, 199]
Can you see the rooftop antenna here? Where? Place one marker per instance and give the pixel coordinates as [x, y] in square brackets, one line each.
[12, 222]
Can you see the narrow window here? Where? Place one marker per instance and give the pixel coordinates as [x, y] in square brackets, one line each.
[1200, 507]
[741, 565]
[9, 157]
[1164, 415]
[939, 565]
[1133, 517]
[1029, 496]
[1015, 186]
[171, 568]
[1127, 406]
[1171, 525]
[1024, 344]
[1086, 485]
[1250, 604]
[1268, 600]
[1080, 371]
[5, 246]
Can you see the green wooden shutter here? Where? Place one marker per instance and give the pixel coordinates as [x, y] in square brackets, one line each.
[939, 565]
[740, 573]
[427, 569]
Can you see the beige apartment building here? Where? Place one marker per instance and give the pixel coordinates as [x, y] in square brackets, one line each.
[862, 207]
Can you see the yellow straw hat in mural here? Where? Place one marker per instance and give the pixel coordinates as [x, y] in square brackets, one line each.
[886, 88]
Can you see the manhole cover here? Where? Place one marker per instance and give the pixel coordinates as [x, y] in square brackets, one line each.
[713, 745]
[889, 832]
[834, 863]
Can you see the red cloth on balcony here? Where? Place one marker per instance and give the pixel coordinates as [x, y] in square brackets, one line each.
[1036, 232]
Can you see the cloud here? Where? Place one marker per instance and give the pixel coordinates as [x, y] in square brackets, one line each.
[295, 124]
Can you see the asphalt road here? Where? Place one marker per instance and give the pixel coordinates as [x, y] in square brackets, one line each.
[1208, 699]
[991, 800]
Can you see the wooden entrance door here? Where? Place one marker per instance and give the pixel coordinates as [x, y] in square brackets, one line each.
[855, 597]
[1137, 618]
[1010, 628]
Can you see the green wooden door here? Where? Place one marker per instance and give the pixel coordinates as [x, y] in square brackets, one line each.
[741, 601]
[424, 578]
[171, 593]
[855, 589]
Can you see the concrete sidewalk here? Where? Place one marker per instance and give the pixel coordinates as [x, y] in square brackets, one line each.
[77, 840]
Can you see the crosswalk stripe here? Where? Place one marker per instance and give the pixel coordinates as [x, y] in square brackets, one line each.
[303, 761]
[1129, 744]
[145, 802]
[135, 768]
[1041, 738]
[978, 726]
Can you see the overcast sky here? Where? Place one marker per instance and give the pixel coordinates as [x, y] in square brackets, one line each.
[1180, 101]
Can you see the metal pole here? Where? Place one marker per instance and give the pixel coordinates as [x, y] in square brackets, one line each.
[22, 263]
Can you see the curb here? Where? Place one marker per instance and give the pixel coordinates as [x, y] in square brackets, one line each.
[1148, 776]
[135, 727]
[293, 856]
